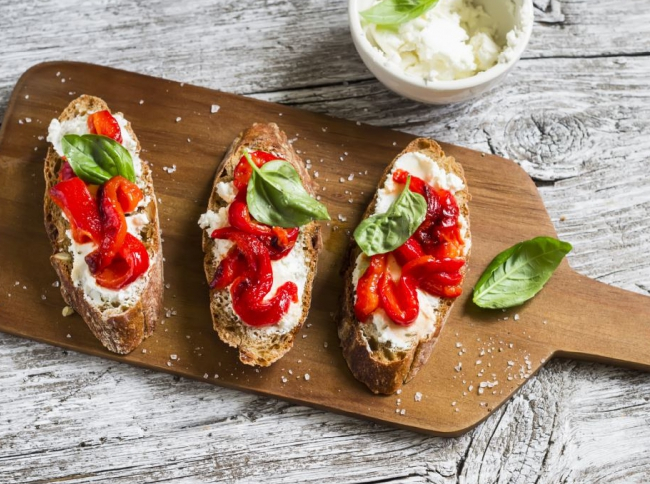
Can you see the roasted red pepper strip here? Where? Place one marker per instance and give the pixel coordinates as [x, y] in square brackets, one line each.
[243, 170]
[251, 287]
[367, 288]
[229, 268]
[66, 172]
[408, 251]
[103, 123]
[240, 218]
[278, 240]
[115, 197]
[438, 277]
[281, 243]
[399, 301]
[258, 312]
[73, 197]
[131, 261]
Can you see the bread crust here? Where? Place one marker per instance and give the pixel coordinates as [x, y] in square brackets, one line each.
[256, 348]
[382, 369]
[120, 331]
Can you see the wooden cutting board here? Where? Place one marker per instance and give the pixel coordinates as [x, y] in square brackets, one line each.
[482, 356]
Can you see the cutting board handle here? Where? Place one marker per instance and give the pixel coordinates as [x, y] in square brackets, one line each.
[608, 324]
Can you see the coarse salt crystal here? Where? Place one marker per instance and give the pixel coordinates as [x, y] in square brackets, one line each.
[307, 377]
[215, 108]
[516, 317]
[205, 375]
[417, 397]
[178, 119]
[173, 357]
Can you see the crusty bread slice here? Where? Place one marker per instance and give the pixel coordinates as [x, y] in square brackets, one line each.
[120, 329]
[382, 368]
[258, 347]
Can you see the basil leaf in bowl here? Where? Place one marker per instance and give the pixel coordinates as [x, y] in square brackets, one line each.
[96, 159]
[276, 196]
[520, 272]
[396, 12]
[384, 232]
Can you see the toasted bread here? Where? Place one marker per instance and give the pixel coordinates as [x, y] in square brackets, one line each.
[119, 327]
[259, 346]
[382, 368]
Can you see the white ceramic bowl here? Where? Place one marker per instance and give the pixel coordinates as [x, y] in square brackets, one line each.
[444, 92]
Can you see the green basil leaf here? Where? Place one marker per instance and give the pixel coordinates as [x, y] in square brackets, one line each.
[277, 197]
[396, 12]
[384, 232]
[520, 272]
[96, 159]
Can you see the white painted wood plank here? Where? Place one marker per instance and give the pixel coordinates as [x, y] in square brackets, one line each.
[575, 114]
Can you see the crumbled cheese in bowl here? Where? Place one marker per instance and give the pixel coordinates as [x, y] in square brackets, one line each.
[456, 39]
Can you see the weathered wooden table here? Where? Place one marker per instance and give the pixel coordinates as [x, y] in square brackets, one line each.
[575, 113]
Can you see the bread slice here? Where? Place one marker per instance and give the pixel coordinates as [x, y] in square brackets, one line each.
[258, 346]
[119, 327]
[381, 367]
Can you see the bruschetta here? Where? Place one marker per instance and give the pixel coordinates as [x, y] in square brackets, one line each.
[261, 241]
[407, 261]
[101, 217]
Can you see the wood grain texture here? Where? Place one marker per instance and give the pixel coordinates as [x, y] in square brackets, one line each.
[575, 422]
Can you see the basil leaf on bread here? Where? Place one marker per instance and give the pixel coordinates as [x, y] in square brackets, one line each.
[96, 159]
[276, 196]
[384, 232]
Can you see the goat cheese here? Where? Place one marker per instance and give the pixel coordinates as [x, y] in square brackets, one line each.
[454, 40]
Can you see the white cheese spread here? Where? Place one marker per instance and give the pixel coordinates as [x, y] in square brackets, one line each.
[455, 39]
[384, 329]
[292, 268]
[81, 277]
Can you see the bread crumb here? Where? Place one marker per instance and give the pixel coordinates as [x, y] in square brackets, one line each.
[562, 218]
[67, 311]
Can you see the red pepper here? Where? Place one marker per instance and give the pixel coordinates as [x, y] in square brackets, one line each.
[251, 286]
[103, 123]
[73, 197]
[132, 260]
[438, 277]
[66, 172]
[278, 240]
[399, 301]
[408, 251]
[367, 288]
[281, 243]
[240, 218]
[243, 169]
[115, 197]
[229, 268]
